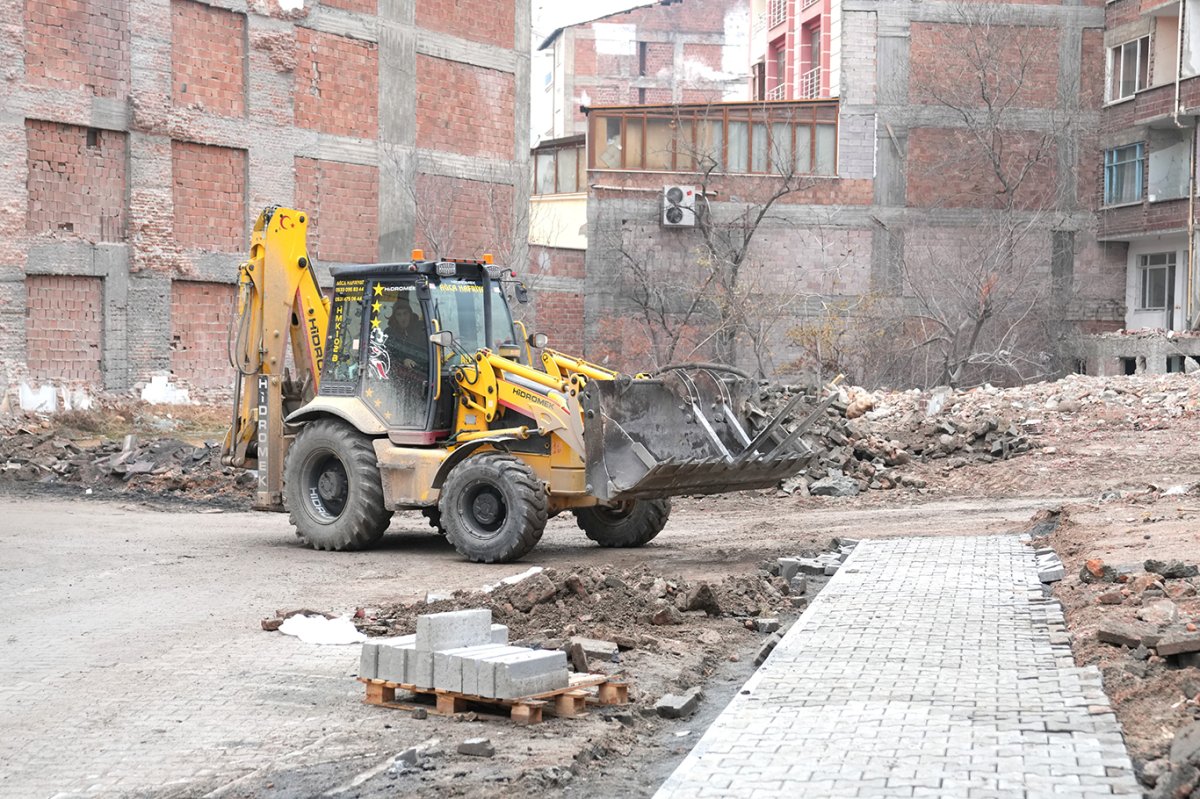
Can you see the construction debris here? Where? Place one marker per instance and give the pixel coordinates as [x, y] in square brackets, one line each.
[672, 706]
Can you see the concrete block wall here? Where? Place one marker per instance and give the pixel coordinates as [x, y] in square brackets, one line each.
[139, 140]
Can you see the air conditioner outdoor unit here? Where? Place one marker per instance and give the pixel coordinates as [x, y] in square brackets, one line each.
[679, 206]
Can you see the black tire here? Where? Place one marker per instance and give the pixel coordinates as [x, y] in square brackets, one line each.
[433, 515]
[630, 524]
[493, 508]
[332, 489]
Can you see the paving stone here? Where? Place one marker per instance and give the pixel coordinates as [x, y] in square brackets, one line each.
[600, 650]
[678, 706]
[929, 667]
[455, 629]
[1123, 633]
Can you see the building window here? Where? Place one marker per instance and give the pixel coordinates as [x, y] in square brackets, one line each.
[1156, 272]
[772, 138]
[559, 168]
[1128, 68]
[1123, 174]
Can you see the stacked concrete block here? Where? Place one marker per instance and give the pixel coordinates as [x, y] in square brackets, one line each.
[463, 652]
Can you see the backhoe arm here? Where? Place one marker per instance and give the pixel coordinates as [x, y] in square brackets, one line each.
[279, 302]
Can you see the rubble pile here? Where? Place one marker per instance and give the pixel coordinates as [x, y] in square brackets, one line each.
[866, 439]
[40, 455]
[547, 607]
[1151, 615]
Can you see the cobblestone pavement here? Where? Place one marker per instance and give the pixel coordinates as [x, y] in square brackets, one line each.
[927, 667]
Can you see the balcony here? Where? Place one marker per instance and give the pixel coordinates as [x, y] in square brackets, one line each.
[778, 92]
[776, 13]
[810, 85]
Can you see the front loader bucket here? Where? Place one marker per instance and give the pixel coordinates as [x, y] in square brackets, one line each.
[682, 434]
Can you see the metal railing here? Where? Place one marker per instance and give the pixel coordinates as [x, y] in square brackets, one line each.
[776, 12]
[778, 92]
[810, 85]
[808, 3]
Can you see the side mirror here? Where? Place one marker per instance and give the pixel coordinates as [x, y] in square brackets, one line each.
[443, 338]
[537, 340]
[522, 293]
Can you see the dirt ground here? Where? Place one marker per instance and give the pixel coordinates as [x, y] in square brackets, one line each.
[1107, 465]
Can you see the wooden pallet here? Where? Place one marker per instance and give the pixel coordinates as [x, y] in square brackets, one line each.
[569, 702]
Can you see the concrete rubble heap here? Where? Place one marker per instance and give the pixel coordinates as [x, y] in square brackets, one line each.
[463, 652]
[868, 439]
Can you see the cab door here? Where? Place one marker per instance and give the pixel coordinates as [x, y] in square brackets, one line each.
[398, 377]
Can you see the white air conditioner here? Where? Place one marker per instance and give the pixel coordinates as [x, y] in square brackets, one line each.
[679, 206]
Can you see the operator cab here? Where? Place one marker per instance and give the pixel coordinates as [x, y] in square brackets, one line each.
[378, 348]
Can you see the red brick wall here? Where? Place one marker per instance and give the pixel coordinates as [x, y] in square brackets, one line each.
[948, 169]
[64, 327]
[478, 20]
[200, 314]
[208, 55]
[337, 84]
[1021, 65]
[210, 196]
[560, 316]
[466, 217]
[343, 205]
[361, 6]
[78, 44]
[76, 181]
[464, 109]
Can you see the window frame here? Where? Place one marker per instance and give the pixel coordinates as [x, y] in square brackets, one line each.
[802, 118]
[1112, 164]
[1146, 269]
[552, 152]
[1116, 69]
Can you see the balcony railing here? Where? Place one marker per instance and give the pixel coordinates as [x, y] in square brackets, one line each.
[776, 12]
[808, 3]
[777, 92]
[810, 85]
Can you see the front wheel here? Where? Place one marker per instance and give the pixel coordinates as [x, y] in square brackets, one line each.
[493, 508]
[332, 488]
[628, 524]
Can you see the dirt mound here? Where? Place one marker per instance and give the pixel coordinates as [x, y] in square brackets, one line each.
[551, 605]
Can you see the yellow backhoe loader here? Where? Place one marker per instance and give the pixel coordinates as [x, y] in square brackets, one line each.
[412, 388]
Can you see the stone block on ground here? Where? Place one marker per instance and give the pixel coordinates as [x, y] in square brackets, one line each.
[530, 673]
[499, 634]
[673, 706]
[798, 584]
[418, 666]
[600, 650]
[837, 485]
[1161, 612]
[766, 625]
[453, 630]
[702, 597]
[788, 568]
[1185, 748]
[532, 591]
[1120, 633]
[1178, 642]
[810, 566]
[768, 646]
[1171, 569]
[477, 747]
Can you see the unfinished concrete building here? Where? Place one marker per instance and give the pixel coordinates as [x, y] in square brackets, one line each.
[945, 187]
[140, 139]
[664, 51]
[1151, 102]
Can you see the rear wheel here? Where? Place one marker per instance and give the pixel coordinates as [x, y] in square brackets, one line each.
[628, 524]
[493, 508]
[332, 488]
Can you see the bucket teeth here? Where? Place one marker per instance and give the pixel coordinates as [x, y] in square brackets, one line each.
[681, 434]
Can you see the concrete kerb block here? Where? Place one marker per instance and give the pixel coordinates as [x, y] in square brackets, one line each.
[788, 568]
[394, 656]
[437, 632]
[530, 673]
[499, 634]
[478, 673]
[368, 661]
[418, 665]
[377, 649]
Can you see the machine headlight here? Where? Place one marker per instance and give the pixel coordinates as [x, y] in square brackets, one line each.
[445, 269]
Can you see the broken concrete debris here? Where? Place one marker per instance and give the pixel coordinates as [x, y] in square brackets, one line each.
[462, 651]
[1174, 569]
[768, 646]
[674, 706]
[825, 564]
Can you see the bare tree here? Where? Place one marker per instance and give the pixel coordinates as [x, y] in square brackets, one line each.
[980, 290]
[712, 291]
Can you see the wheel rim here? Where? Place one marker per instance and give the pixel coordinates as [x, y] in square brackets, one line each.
[326, 486]
[484, 510]
[614, 513]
